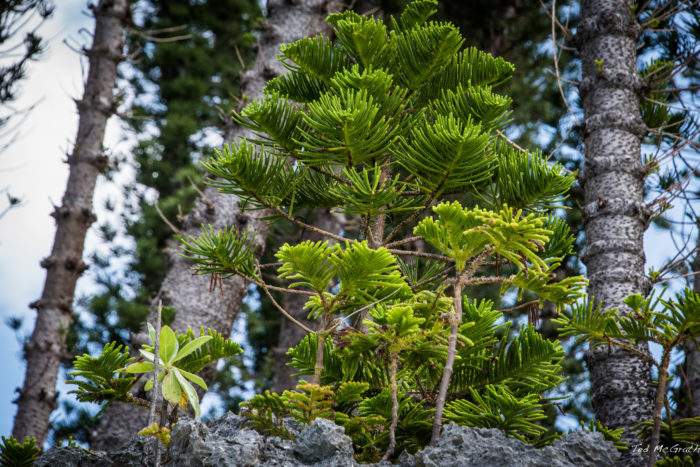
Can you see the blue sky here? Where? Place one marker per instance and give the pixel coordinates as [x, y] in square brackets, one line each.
[32, 168]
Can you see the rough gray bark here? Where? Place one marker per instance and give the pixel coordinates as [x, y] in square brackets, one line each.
[691, 367]
[290, 333]
[190, 294]
[615, 215]
[46, 349]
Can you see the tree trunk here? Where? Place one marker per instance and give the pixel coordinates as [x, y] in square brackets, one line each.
[46, 349]
[690, 381]
[615, 215]
[290, 333]
[190, 294]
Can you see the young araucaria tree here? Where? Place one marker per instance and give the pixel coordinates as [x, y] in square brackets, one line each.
[397, 126]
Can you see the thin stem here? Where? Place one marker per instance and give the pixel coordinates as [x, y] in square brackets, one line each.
[517, 307]
[296, 221]
[380, 220]
[455, 321]
[174, 229]
[485, 280]
[331, 175]
[261, 283]
[318, 367]
[285, 290]
[633, 349]
[556, 61]
[432, 279]
[403, 242]
[658, 406]
[394, 407]
[156, 384]
[282, 310]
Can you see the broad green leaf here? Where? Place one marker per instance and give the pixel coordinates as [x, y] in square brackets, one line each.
[194, 378]
[149, 356]
[189, 391]
[140, 367]
[171, 389]
[191, 347]
[168, 345]
[151, 333]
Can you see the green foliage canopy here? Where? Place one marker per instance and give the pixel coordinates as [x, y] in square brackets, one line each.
[390, 122]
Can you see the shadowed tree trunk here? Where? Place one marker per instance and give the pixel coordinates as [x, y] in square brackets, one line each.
[47, 349]
[189, 294]
[615, 214]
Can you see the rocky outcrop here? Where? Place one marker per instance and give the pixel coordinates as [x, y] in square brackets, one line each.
[226, 442]
[462, 446]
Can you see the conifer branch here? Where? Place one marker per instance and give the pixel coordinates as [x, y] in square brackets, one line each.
[306, 226]
[261, 283]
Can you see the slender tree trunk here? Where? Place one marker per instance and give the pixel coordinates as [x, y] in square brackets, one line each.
[690, 382]
[291, 334]
[658, 407]
[46, 349]
[455, 322]
[615, 215]
[393, 368]
[190, 294]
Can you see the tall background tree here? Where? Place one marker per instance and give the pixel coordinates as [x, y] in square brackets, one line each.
[46, 349]
[615, 212]
[626, 107]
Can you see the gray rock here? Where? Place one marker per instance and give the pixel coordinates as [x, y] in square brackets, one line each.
[293, 426]
[71, 457]
[324, 441]
[582, 447]
[406, 459]
[227, 442]
[192, 444]
[227, 425]
[460, 446]
[138, 452]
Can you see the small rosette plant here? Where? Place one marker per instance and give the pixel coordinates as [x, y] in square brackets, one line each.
[174, 380]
